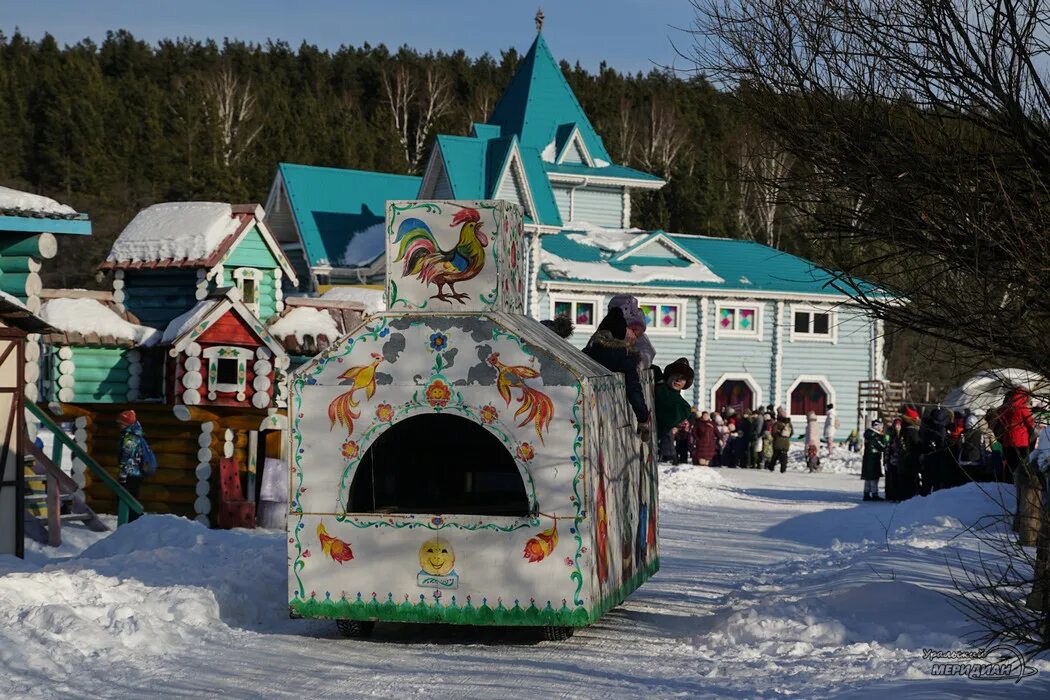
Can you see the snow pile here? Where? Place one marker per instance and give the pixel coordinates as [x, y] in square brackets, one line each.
[158, 584]
[86, 316]
[686, 484]
[601, 163]
[365, 246]
[842, 461]
[16, 200]
[304, 322]
[374, 300]
[174, 231]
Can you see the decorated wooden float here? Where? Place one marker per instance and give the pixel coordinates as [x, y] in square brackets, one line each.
[455, 461]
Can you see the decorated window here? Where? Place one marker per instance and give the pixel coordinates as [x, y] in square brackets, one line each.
[582, 312]
[227, 370]
[812, 324]
[737, 320]
[247, 280]
[662, 316]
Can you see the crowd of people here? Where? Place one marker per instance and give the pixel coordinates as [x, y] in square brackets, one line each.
[922, 452]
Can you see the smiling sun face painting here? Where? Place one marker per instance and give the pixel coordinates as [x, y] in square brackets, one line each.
[436, 557]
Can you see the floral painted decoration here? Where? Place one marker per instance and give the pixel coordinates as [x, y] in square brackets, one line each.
[384, 412]
[488, 414]
[438, 394]
[526, 452]
[438, 342]
[350, 449]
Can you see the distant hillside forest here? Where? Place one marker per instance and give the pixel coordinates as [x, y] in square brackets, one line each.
[114, 127]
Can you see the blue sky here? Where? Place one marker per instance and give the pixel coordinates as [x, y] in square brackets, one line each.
[629, 35]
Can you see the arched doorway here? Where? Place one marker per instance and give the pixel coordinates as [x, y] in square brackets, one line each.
[734, 393]
[440, 464]
[809, 396]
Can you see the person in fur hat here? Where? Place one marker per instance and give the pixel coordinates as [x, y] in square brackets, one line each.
[636, 337]
[671, 408]
[609, 348]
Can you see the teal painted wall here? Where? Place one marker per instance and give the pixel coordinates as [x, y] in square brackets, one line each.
[601, 206]
[16, 251]
[158, 296]
[253, 252]
[100, 374]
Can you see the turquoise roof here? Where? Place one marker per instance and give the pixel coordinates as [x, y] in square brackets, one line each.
[80, 225]
[474, 165]
[743, 266]
[538, 101]
[330, 204]
[616, 171]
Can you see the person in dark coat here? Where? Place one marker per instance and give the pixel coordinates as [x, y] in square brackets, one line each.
[875, 443]
[745, 441]
[671, 408]
[892, 461]
[782, 432]
[608, 347]
[973, 452]
[705, 440]
[937, 461]
[911, 455]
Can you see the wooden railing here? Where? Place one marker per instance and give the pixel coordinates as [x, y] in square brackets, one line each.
[127, 504]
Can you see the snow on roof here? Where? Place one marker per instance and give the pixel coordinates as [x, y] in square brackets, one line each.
[611, 239]
[174, 231]
[13, 300]
[374, 300]
[89, 316]
[609, 242]
[181, 324]
[19, 201]
[304, 322]
[365, 245]
[550, 152]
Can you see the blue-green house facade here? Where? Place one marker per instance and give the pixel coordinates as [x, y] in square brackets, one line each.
[760, 326]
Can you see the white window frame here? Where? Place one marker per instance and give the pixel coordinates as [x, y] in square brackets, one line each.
[831, 336]
[682, 305]
[746, 378]
[572, 299]
[228, 352]
[755, 334]
[242, 273]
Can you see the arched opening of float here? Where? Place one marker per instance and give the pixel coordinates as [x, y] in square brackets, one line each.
[437, 463]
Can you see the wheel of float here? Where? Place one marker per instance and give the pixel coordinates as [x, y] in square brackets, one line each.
[557, 634]
[355, 629]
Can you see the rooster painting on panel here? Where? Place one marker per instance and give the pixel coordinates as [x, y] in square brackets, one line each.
[425, 259]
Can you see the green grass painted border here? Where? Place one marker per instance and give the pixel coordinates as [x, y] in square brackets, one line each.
[454, 613]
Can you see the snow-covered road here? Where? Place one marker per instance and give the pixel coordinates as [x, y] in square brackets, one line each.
[771, 585]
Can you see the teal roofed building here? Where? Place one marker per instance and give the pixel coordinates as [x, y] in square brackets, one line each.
[760, 326]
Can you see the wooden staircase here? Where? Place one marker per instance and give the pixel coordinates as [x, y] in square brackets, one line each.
[52, 500]
[61, 492]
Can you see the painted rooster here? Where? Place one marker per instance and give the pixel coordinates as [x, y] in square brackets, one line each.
[334, 547]
[424, 258]
[535, 405]
[363, 377]
[540, 546]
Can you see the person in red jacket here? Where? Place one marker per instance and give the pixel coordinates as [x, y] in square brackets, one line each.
[1016, 428]
[705, 441]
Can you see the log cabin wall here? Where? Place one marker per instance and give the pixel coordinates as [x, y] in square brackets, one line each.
[188, 453]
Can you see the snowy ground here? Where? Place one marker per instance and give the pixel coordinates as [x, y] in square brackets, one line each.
[773, 585]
